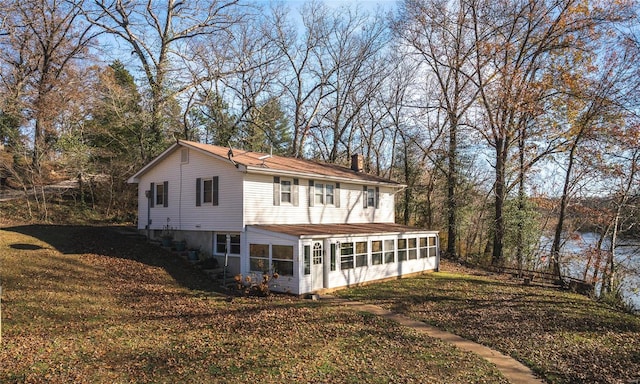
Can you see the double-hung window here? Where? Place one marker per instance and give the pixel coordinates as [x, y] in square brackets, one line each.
[271, 258]
[376, 252]
[412, 249]
[329, 194]
[402, 249]
[361, 254]
[285, 191]
[324, 194]
[207, 191]
[346, 256]
[389, 251]
[319, 194]
[370, 197]
[159, 194]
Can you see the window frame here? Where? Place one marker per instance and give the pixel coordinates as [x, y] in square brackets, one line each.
[412, 248]
[318, 194]
[377, 255]
[201, 191]
[389, 252]
[347, 260]
[370, 197]
[204, 191]
[277, 261]
[361, 255]
[402, 249]
[232, 244]
[257, 254]
[323, 194]
[327, 194]
[160, 194]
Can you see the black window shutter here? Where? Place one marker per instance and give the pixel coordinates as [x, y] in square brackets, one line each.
[311, 193]
[336, 196]
[152, 198]
[377, 197]
[215, 188]
[166, 194]
[365, 196]
[276, 190]
[295, 197]
[198, 192]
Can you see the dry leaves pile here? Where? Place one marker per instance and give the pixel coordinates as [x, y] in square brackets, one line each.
[86, 305]
[564, 337]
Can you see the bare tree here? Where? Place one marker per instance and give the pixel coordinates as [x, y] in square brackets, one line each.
[43, 40]
[522, 40]
[352, 64]
[303, 83]
[439, 33]
[164, 36]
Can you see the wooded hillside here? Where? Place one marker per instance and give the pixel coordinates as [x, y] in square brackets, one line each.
[499, 116]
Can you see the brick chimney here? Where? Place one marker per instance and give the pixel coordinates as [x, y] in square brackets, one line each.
[357, 163]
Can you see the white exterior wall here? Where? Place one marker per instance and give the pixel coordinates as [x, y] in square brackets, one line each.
[182, 212]
[259, 207]
[301, 283]
[227, 215]
[288, 284]
[357, 275]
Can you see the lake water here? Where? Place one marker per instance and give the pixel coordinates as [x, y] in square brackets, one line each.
[573, 260]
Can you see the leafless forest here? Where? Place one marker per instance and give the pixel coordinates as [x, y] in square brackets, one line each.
[508, 120]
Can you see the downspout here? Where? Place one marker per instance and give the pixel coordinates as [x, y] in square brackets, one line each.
[148, 226]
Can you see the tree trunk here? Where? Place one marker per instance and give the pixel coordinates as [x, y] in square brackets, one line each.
[452, 177]
[554, 260]
[521, 205]
[497, 258]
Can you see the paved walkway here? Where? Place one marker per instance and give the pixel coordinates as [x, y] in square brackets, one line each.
[510, 368]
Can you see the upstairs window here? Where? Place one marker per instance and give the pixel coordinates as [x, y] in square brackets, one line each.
[319, 195]
[370, 197]
[207, 191]
[159, 194]
[324, 194]
[329, 194]
[285, 191]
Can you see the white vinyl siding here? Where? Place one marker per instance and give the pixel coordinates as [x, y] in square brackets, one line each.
[182, 212]
[261, 206]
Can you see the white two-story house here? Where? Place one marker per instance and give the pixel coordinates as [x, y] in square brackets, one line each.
[318, 226]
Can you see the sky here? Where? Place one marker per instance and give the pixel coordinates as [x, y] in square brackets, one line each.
[372, 4]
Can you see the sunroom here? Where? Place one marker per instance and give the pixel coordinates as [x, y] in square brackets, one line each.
[322, 257]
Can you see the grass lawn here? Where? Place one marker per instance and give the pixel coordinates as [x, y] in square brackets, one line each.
[564, 337]
[86, 305]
